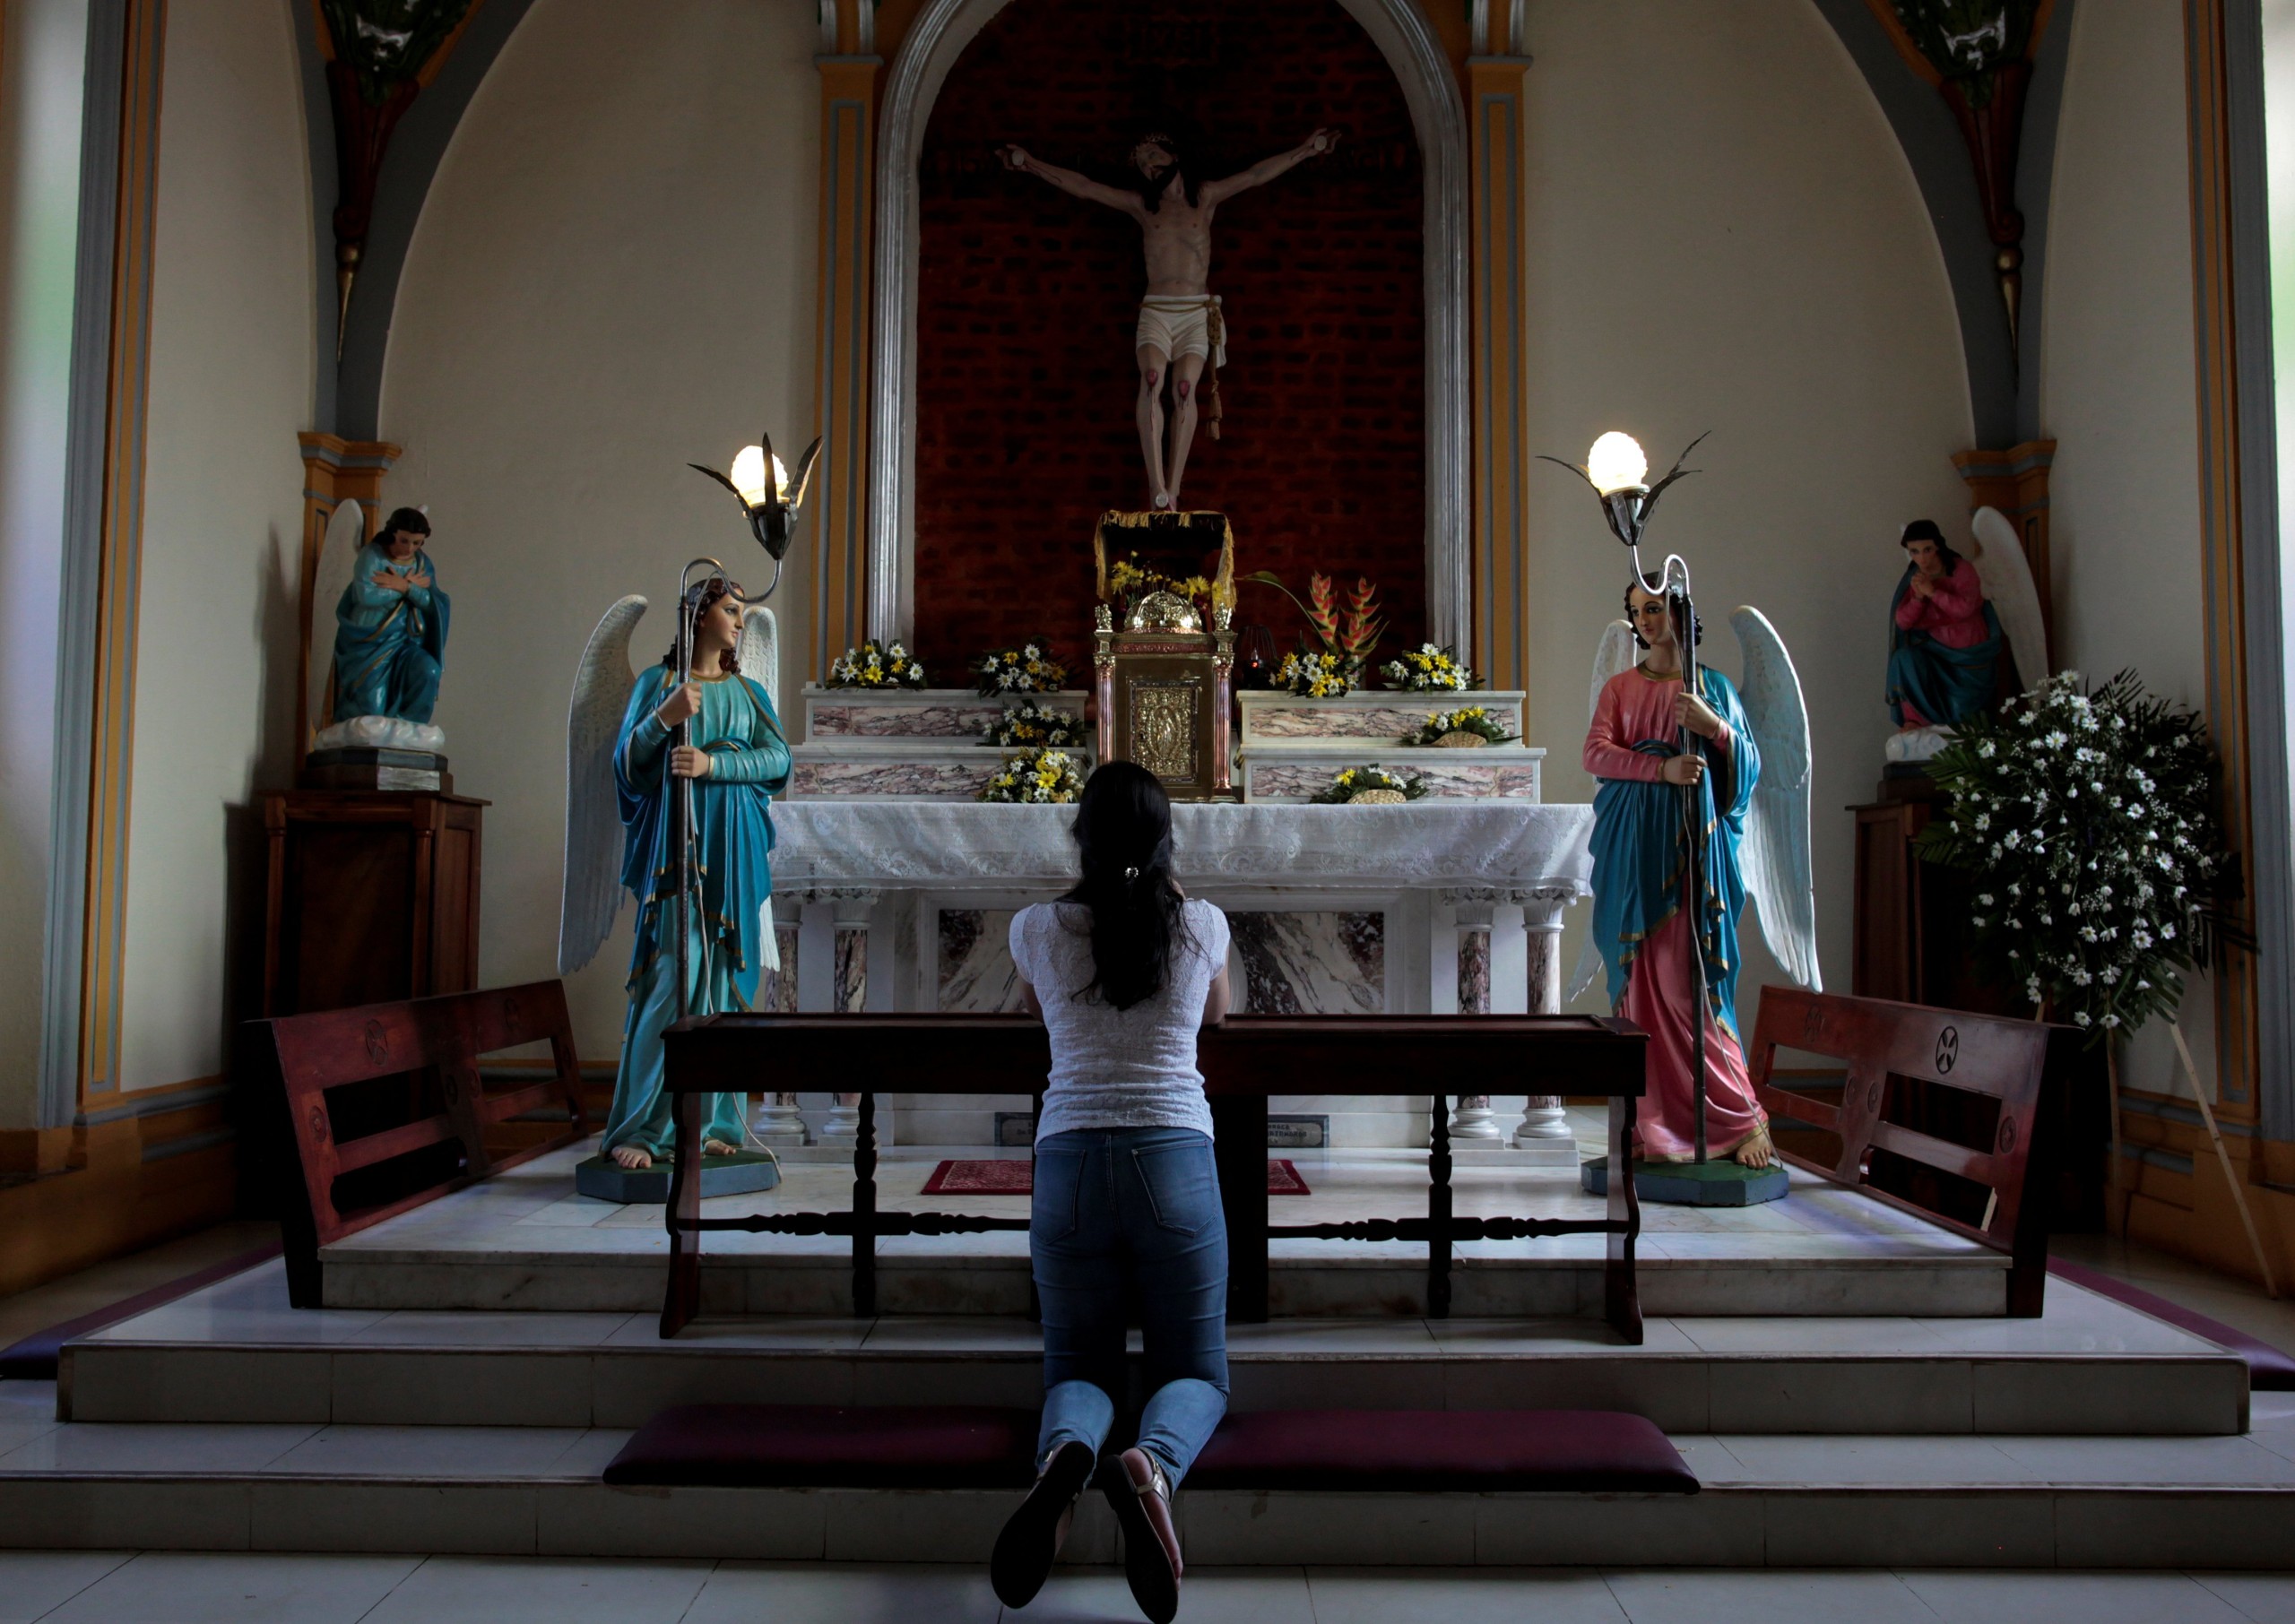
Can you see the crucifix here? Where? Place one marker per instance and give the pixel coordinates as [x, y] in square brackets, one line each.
[1181, 327]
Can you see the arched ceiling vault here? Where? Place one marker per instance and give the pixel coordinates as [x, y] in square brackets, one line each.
[2002, 395]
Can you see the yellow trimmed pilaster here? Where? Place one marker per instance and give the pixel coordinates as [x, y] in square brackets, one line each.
[2222, 541]
[1498, 289]
[120, 548]
[840, 500]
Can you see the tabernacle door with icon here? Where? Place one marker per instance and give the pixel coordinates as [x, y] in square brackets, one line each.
[1164, 649]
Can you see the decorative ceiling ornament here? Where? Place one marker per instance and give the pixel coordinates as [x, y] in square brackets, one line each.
[1978, 55]
[379, 55]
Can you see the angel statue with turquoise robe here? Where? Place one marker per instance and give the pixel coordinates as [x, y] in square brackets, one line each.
[624, 770]
[1747, 781]
[380, 686]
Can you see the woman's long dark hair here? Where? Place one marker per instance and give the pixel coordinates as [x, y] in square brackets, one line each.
[1123, 837]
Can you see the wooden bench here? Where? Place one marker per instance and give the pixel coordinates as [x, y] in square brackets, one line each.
[434, 1044]
[1243, 1060]
[2023, 1067]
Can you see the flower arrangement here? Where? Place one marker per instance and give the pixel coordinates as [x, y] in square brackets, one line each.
[1134, 579]
[1468, 726]
[2089, 819]
[873, 665]
[1028, 668]
[1429, 669]
[1311, 676]
[1370, 786]
[1036, 778]
[1032, 726]
[1348, 635]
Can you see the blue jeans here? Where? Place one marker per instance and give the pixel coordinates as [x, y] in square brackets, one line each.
[1118, 1214]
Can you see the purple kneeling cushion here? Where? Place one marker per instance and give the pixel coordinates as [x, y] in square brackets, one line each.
[1581, 1451]
[951, 1447]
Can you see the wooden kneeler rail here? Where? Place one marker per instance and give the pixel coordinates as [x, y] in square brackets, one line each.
[306, 1055]
[1244, 1060]
[2023, 1065]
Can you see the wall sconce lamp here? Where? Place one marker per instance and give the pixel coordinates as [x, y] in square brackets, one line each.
[769, 498]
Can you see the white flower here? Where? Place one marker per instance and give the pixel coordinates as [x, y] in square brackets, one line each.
[2080, 1017]
[2111, 1020]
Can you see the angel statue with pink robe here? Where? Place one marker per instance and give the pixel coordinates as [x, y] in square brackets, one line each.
[1745, 773]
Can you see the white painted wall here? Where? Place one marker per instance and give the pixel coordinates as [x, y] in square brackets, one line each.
[2118, 389]
[232, 316]
[42, 71]
[1724, 234]
[613, 276]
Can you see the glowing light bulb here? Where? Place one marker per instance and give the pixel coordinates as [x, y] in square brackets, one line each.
[1615, 462]
[749, 476]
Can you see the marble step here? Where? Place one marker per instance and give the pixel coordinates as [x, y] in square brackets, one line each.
[1803, 1502]
[525, 1240]
[235, 1353]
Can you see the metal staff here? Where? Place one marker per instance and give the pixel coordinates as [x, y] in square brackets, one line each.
[1627, 506]
[770, 504]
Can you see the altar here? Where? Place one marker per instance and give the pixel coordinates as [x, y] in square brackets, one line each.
[1436, 906]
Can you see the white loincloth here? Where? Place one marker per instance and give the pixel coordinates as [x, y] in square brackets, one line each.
[1181, 325]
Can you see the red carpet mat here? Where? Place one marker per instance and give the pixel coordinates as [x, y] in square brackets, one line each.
[1016, 1176]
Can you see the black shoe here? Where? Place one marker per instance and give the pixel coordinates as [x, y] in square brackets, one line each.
[1142, 1498]
[1023, 1554]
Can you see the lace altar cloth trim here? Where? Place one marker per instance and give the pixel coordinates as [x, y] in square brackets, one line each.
[1509, 844]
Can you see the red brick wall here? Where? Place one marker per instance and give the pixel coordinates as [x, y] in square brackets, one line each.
[1027, 299]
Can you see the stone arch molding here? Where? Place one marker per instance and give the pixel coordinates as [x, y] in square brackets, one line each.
[1438, 116]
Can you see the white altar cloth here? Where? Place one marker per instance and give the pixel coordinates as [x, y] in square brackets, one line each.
[1511, 846]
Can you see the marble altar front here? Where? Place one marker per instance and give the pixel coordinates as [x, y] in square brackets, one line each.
[1437, 906]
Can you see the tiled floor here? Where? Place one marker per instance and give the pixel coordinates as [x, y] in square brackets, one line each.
[252, 1310]
[120, 1588]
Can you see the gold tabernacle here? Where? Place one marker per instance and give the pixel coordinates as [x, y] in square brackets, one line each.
[1164, 650]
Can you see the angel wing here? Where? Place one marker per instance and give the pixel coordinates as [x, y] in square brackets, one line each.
[2007, 577]
[1775, 857]
[592, 895]
[1614, 654]
[760, 652]
[346, 533]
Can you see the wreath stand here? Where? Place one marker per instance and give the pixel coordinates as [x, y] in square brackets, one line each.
[2214, 1137]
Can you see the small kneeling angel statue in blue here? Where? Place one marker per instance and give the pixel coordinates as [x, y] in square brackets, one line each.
[626, 772]
[390, 637]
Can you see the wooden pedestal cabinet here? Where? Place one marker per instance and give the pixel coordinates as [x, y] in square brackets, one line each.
[373, 897]
[1911, 936]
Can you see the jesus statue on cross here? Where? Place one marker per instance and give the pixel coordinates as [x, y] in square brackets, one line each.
[1181, 329]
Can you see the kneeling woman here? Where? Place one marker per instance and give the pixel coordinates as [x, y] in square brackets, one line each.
[1123, 970]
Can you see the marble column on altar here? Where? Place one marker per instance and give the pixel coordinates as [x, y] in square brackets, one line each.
[836, 941]
[1508, 963]
[1543, 1122]
[778, 1122]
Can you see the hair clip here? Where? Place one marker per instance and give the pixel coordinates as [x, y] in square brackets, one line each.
[1130, 874]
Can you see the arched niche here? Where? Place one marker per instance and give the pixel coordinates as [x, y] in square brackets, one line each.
[933, 46]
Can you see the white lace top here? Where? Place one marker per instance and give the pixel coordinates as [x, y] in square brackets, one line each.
[1118, 1068]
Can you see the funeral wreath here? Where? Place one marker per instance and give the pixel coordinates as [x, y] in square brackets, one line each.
[2088, 820]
